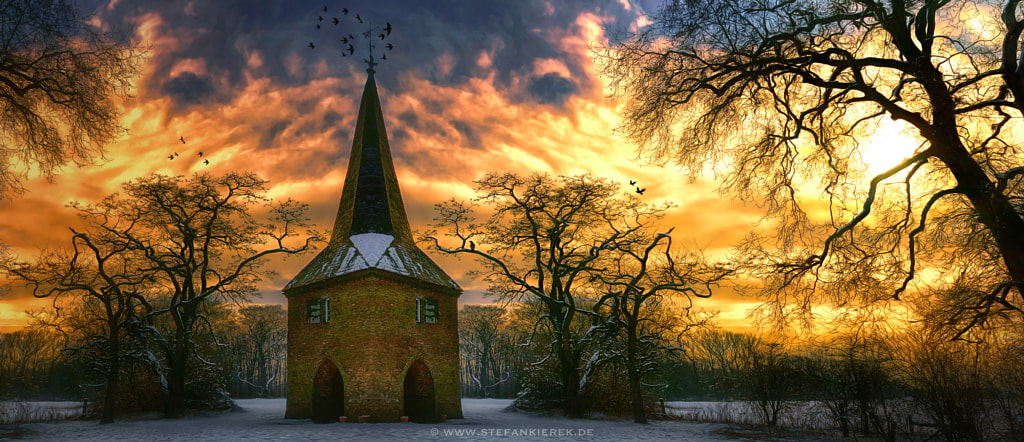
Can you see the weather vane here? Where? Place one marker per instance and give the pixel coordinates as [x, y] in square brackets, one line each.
[349, 43]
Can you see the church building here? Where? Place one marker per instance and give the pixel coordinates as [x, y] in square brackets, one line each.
[372, 321]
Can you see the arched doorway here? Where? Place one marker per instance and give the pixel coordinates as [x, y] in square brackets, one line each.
[328, 394]
[418, 392]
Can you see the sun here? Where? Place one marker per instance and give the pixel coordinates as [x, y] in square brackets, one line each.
[889, 145]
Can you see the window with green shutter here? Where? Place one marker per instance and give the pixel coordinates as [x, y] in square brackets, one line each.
[426, 311]
[318, 310]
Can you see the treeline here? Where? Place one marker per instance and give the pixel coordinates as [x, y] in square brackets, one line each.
[892, 384]
[506, 354]
[888, 380]
[241, 354]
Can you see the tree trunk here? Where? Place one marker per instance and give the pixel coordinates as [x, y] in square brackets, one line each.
[176, 381]
[113, 372]
[261, 372]
[570, 375]
[568, 363]
[178, 371]
[485, 378]
[633, 366]
[570, 383]
[994, 209]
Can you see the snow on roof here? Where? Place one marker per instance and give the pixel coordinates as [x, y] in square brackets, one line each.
[372, 245]
[371, 251]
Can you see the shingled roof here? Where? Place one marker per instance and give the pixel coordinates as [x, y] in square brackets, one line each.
[371, 230]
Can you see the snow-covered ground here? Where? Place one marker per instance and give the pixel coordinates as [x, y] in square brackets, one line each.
[796, 414]
[41, 411]
[485, 419]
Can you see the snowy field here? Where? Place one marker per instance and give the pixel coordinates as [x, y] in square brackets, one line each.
[803, 414]
[486, 419]
[38, 411]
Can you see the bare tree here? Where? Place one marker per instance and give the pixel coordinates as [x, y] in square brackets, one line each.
[716, 356]
[544, 241]
[203, 241]
[952, 383]
[59, 76]
[158, 253]
[746, 366]
[101, 278]
[856, 377]
[648, 295]
[259, 347]
[484, 343]
[26, 358]
[780, 94]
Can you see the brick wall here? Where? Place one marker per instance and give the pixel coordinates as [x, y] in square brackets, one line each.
[373, 338]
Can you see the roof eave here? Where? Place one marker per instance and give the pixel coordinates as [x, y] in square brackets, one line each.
[455, 291]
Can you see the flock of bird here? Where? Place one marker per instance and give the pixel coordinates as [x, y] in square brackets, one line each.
[174, 155]
[349, 48]
[638, 189]
[348, 41]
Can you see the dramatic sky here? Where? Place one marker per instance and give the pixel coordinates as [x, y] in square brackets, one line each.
[469, 87]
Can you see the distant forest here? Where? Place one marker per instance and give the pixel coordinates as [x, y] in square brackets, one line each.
[240, 355]
[870, 378]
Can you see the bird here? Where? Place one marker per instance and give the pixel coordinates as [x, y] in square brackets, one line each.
[389, 46]
[320, 17]
[318, 27]
[311, 45]
[381, 36]
[344, 11]
[200, 154]
[383, 56]
[344, 41]
[335, 20]
[350, 37]
[632, 183]
[472, 245]
[351, 49]
[359, 18]
[170, 157]
[388, 28]
[325, 8]
[640, 191]
[206, 162]
[175, 154]
[182, 138]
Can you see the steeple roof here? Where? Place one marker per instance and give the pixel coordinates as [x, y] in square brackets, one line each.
[371, 230]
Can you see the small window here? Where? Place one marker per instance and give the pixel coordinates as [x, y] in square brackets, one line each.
[426, 311]
[318, 310]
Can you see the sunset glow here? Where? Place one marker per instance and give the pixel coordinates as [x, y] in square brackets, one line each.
[464, 92]
[624, 219]
[887, 147]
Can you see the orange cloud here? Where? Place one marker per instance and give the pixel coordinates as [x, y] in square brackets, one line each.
[297, 132]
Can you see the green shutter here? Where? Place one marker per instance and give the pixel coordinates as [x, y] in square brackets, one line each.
[313, 311]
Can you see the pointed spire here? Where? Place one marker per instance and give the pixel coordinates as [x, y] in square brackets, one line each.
[371, 230]
[371, 201]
